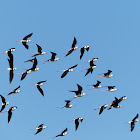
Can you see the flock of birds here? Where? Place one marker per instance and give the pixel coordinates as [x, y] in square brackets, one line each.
[24, 41]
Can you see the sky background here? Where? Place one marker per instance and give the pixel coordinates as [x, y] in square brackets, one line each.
[111, 29]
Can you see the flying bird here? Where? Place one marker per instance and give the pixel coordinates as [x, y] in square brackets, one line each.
[52, 58]
[97, 85]
[102, 108]
[15, 91]
[93, 59]
[25, 40]
[39, 51]
[65, 72]
[107, 74]
[133, 122]
[31, 60]
[4, 103]
[10, 112]
[40, 128]
[78, 92]
[110, 88]
[73, 47]
[63, 133]
[38, 86]
[68, 105]
[83, 50]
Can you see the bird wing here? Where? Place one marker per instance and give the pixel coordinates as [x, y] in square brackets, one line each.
[98, 83]
[11, 75]
[9, 115]
[41, 82]
[136, 117]
[16, 88]
[73, 66]
[74, 42]
[132, 126]
[101, 110]
[23, 75]
[87, 49]
[25, 45]
[2, 108]
[41, 91]
[67, 102]
[88, 71]
[39, 48]
[79, 88]
[70, 51]
[82, 52]
[64, 74]
[3, 99]
[64, 130]
[91, 63]
[53, 55]
[40, 125]
[35, 63]
[39, 130]
[10, 93]
[26, 37]
[76, 124]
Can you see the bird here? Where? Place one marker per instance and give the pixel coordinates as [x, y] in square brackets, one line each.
[90, 69]
[122, 98]
[24, 74]
[110, 88]
[78, 92]
[15, 91]
[38, 86]
[10, 112]
[77, 122]
[39, 51]
[4, 103]
[133, 122]
[102, 108]
[40, 128]
[63, 133]
[65, 72]
[53, 59]
[25, 40]
[10, 60]
[82, 50]
[93, 59]
[73, 47]
[97, 85]
[68, 105]
[115, 104]
[107, 74]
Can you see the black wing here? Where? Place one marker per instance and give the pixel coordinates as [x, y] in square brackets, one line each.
[23, 75]
[9, 115]
[10, 93]
[11, 75]
[64, 130]
[53, 55]
[39, 130]
[88, 71]
[64, 74]
[3, 99]
[132, 126]
[101, 109]
[40, 125]
[111, 87]
[70, 51]
[25, 45]
[91, 63]
[98, 83]
[2, 108]
[16, 88]
[41, 82]
[79, 88]
[39, 48]
[35, 63]
[135, 117]
[87, 49]
[41, 91]
[76, 124]
[74, 42]
[67, 102]
[73, 66]
[82, 52]
[26, 37]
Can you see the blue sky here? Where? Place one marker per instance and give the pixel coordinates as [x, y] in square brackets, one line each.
[110, 28]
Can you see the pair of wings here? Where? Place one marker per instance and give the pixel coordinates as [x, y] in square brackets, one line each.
[25, 38]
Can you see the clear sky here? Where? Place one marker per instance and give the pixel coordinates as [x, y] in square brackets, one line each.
[111, 29]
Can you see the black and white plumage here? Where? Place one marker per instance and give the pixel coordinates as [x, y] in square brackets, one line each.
[38, 86]
[25, 40]
[68, 70]
[4, 103]
[53, 59]
[63, 133]
[133, 122]
[15, 91]
[73, 47]
[77, 122]
[110, 88]
[10, 112]
[107, 74]
[31, 60]
[39, 51]
[82, 50]
[40, 128]
[90, 69]
[24, 74]
[97, 85]
[68, 105]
